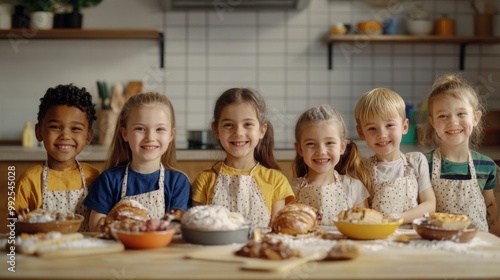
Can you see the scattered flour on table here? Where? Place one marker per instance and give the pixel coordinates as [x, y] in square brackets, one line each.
[316, 244]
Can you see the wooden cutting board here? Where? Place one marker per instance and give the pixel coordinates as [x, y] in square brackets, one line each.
[91, 246]
[226, 254]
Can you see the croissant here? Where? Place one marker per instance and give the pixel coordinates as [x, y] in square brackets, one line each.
[295, 219]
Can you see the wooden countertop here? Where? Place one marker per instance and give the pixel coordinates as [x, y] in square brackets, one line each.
[98, 153]
[380, 259]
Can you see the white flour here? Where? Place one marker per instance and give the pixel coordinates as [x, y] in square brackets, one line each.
[316, 244]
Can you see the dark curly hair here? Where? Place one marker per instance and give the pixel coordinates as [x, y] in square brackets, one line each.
[68, 95]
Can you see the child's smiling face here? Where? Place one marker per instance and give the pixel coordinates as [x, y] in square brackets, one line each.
[453, 119]
[65, 132]
[239, 131]
[321, 147]
[383, 136]
[148, 132]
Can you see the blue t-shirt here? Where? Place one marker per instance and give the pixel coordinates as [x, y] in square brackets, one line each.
[106, 189]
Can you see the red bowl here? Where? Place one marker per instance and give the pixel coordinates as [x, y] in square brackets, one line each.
[145, 240]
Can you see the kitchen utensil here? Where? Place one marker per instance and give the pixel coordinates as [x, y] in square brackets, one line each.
[219, 237]
[434, 233]
[145, 240]
[368, 231]
[133, 87]
[489, 8]
[483, 24]
[478, 6]
[65, 226]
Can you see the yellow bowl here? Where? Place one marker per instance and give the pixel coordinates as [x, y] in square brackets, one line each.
[368, 231]
[145, 240]
[64, 226]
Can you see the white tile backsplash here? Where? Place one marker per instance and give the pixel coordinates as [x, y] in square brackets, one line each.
[279, 53]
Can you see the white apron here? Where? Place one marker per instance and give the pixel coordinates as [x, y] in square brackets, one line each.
[459, 196]
[329, 199]
[153, 201]
[397, 195]
[66, 200]
[242, 195]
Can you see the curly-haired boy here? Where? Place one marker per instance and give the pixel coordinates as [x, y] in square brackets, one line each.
[64, 125]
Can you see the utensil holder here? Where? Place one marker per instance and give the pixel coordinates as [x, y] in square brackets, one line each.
[483, 24]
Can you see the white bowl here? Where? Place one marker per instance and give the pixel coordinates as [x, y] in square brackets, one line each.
[419, 26]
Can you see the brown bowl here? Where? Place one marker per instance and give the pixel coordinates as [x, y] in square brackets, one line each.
[434, 233]
[65, 226]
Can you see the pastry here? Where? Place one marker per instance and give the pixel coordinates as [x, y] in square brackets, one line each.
[448, 221]
[126, 214]
[295, 219]
[343, 250]
[30, 243]
[212, 218]
[128, 209]
[361, 215]
[267, 249]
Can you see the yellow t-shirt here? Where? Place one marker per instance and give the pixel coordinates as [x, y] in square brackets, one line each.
[273, 185]
[29, 185]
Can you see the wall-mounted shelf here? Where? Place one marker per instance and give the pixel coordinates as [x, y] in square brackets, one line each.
[87, 34]
[463, 41]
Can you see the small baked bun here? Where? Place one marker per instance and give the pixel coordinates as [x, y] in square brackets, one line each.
[295, 219]
[343, 250]
[361, 215]
[448, 221]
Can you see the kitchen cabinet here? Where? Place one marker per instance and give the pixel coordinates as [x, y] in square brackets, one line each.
[24, 34]
[363, 39]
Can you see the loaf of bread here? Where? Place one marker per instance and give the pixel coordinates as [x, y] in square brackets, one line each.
[448, 221]
[361, 215]
[295, 219]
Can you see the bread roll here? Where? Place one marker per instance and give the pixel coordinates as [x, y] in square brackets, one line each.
[295, 219]
[361, 215]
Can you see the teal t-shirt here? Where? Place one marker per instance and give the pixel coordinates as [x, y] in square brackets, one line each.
[486, 169]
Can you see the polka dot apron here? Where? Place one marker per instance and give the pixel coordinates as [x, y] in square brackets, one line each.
[459, 196]
[329, 199]
[66, 200]
[397, 195]
[153, 201]
[241, 194]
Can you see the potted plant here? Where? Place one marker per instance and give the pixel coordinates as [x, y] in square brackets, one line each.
[74, 18]
[41, 13]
